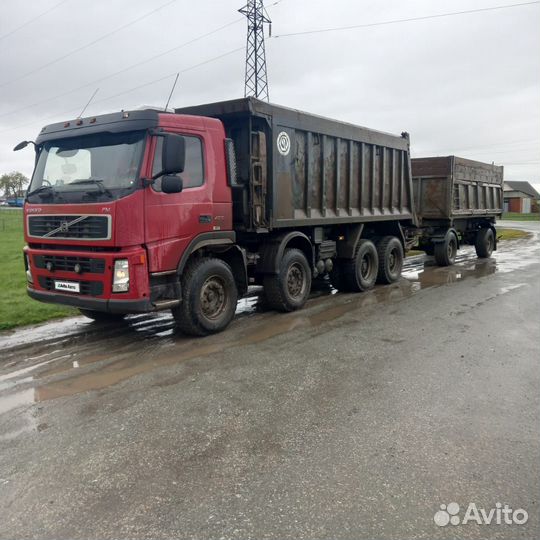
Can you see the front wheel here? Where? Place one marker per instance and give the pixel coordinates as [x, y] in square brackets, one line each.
[209, 296]
[289, 289]
[102, 316]
[445, 252]
[484, 243]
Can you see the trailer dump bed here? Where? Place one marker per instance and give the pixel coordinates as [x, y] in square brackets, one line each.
[451, 187]
[297, 169]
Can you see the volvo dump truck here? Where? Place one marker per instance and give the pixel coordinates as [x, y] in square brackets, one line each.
[140, 211]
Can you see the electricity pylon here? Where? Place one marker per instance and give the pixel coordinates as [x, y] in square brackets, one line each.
[256, 83]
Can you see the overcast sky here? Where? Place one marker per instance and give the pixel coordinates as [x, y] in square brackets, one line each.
[467, 85]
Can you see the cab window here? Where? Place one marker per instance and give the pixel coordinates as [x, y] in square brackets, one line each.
[193, 175]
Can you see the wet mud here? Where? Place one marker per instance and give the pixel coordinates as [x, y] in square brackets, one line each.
[75, 355]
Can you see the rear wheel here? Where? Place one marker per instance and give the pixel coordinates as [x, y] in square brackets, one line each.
[289, 289]
[484, 243]
[102, 316]
[209, 297]
[360, 273]
[445, 252]
[390, 253]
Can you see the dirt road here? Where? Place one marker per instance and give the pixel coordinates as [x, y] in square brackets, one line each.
[356, 417]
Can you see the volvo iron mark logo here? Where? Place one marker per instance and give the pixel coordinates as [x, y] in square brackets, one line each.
[283, 143]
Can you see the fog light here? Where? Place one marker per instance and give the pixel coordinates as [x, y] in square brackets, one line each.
[121, 276]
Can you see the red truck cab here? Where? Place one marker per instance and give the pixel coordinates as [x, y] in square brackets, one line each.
[105, 229]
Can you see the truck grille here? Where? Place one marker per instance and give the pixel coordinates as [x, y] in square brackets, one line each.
[89, 227]
[64, 263]
[88, 288]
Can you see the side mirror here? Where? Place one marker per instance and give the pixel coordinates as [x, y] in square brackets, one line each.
[171, 184]
[173, 155]
[21, 145]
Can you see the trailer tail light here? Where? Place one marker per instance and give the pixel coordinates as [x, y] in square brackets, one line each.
[121, 276]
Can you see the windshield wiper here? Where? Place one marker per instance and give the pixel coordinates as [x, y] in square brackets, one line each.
[97, 182]
[50, 191]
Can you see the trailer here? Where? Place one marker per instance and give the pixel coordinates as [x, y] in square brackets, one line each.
[457, 202]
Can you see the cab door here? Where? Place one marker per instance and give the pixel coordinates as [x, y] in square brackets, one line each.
[172, 220]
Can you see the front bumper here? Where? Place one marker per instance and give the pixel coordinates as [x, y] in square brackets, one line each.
[94, 304]
[94, 275]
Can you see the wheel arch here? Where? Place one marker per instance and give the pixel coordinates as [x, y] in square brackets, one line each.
[440, 236]
[220, 245]
[272, 251]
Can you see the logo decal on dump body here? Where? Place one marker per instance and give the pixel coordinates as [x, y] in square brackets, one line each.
[283, 143]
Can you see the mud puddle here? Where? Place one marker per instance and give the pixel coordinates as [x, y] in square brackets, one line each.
[73, 356]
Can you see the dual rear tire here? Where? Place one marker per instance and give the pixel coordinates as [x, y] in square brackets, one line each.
[373, 263]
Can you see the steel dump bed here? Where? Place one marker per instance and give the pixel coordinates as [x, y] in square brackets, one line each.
[451, 187]
[297, 169]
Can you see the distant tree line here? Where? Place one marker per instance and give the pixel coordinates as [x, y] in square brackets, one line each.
[13, 184]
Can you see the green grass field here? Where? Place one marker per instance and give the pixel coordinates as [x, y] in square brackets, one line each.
[514, 216]
[16, 308]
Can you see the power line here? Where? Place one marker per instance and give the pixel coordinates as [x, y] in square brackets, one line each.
[410, 19]
[213, 59]
[89, 44]
[520, 162]
[132, 89]
[123, 70]
[492, 148]
[30, 21]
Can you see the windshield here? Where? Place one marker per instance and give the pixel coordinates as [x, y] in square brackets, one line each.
[102, 166]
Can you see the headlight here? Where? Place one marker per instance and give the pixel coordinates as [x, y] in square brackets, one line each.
[28, 271]
[121, 276]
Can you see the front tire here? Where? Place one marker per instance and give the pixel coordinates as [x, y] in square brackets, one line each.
[288, 290]
[102, 316]
[209, 296]
[390, 252]
[484, 243]
[445, 252]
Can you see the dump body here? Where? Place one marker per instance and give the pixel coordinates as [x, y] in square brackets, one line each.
[448, 188]
[296, 169]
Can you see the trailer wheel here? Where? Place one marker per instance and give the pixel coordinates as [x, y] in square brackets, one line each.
[360, 273]
[445, 252]
[390, 252]
[289, 289]
[484, 243]
[102, 316]
[209, 296]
